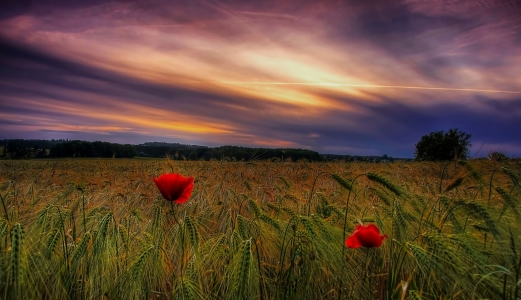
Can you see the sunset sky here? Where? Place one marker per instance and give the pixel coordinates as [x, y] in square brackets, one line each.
[348, 77]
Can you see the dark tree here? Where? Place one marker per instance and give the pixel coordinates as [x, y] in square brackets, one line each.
[440, 145]
[192, 155]
[497, 156]
[15, 149]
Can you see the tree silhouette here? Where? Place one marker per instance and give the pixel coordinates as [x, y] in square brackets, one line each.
[440, 145]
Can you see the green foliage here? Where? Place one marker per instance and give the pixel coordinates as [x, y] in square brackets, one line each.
[440, 145]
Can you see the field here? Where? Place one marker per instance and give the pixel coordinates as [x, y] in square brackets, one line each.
[100, 229]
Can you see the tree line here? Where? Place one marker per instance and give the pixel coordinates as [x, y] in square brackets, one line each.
[92, 149]
[229, 153]
[21, 149]
[436, 146]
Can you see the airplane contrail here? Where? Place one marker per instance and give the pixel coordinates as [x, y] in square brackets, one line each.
[372, 86]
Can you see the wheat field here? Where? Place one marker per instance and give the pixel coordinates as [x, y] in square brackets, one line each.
[100, 229]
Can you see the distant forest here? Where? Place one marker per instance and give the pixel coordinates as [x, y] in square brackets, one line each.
[23, 149]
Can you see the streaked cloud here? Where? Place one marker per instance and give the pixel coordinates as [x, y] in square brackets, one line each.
[344, 77]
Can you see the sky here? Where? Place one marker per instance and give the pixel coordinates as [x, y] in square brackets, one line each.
[340, 77]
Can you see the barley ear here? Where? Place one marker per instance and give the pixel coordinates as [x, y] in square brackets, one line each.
[17, 267]
[101, 236]
[309, 227]
[242, 272]
[513, 177]
[193, 233]
[157, 221]
[189, 289]
[242, 227]
[271, 222]
[454, 184]
[3, 227]
[136, 270]
[80, 251]
[481, 212]
[381, 195]
[384, 182]
[286, 182]
[247, 184]
[52, 242]
[255, 207]
[343, 182]
[509, 200]
[475, 174]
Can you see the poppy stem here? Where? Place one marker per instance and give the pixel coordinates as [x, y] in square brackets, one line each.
[346, 210]
[182, 245]
[173, 211]
[368, 255]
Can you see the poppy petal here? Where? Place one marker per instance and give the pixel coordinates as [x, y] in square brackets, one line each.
[372, 227]
[365, 236]
[175, 187]
[369, 238]
[383, 238]
[162, 185]
[186, 192]
[353, 242]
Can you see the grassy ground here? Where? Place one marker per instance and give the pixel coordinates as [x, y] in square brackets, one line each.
[91, 229]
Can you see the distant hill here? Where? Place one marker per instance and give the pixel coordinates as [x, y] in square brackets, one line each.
[174, 145]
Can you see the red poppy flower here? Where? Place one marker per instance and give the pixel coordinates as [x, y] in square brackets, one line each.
[365, 236]
[175, 187]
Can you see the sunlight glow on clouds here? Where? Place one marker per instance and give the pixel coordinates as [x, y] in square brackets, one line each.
[270, 75]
